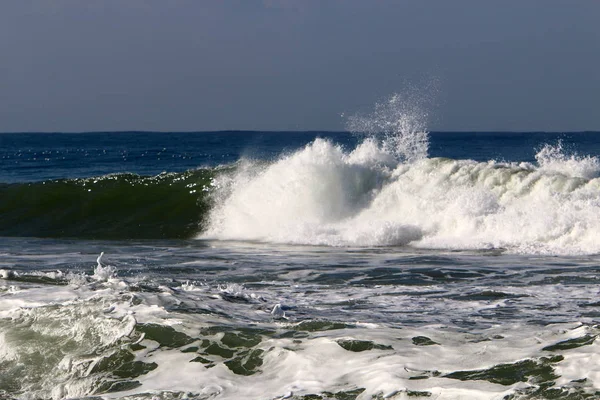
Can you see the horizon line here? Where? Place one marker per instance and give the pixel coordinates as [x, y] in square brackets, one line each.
[283, 131]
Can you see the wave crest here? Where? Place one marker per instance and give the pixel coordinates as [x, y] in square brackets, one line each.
[554, 158]
[324, 195]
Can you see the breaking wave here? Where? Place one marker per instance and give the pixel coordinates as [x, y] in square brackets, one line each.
[387, 192]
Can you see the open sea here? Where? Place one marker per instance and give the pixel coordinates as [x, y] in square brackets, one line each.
[300, 265]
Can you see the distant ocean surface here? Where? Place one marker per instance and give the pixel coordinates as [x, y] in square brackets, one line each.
[300, 265]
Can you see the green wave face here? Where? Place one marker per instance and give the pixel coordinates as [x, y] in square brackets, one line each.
[121, 206]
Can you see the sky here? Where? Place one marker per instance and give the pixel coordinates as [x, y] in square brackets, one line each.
[198, 65]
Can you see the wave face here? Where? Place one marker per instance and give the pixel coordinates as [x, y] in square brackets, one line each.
[119, 206]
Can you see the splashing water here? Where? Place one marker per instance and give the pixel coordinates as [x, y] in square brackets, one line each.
[554, 158]
[103, 273]
[399, 123]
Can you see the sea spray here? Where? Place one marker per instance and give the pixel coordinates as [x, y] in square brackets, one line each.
[399, 124]
[554, 158]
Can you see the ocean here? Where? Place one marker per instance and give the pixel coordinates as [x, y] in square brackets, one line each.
[300, 265]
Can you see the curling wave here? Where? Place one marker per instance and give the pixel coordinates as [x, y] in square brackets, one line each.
[119, 206]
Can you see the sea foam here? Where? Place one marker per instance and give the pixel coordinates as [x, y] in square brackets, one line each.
[386, 192]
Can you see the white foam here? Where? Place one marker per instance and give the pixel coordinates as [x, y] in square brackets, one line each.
[319, 364]
[103, 273]
[301, 198]
[278, 312]
[6, 274]
[59, 342]
[99, 318]
[387, 192]
[554, 158]
[325, 196]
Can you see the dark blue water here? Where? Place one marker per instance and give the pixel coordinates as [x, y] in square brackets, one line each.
[27, 157]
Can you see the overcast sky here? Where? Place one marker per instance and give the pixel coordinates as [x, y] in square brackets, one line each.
[175, 65]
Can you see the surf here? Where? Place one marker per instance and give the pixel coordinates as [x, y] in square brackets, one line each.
[387, 192]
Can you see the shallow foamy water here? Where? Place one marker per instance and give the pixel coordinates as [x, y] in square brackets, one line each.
[230, 320]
